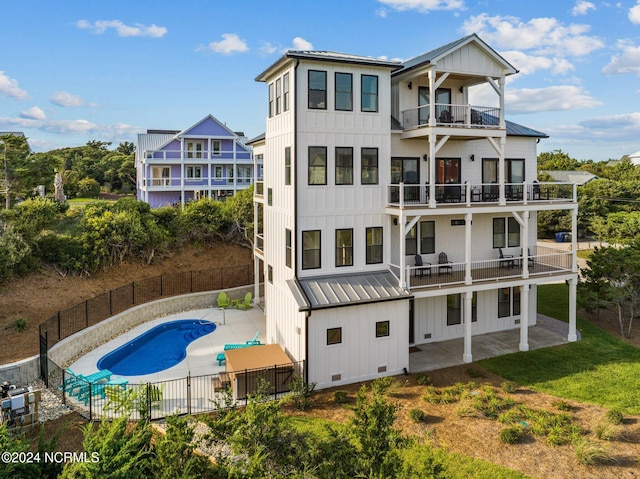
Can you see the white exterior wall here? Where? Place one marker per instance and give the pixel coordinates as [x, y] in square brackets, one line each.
[360, 354]
[356, 206]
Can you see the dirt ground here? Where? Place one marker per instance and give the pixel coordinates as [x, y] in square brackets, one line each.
[40, 295]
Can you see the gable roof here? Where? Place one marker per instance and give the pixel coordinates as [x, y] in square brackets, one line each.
[571, 176]
[434, 55]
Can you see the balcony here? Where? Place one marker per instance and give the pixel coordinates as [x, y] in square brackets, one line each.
[174, 156]
[544, 261]
[455, 116]
[177, 183]
[467, 194]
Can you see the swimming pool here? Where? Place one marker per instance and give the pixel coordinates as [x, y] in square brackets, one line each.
[158, 349]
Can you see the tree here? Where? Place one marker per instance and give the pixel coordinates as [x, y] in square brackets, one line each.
[620, 228]
[556, 160]
[15, 153]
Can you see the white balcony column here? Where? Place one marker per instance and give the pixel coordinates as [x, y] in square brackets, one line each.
[467, 248]
[502, 179]
[574, 239]
[573, 284]
[525, 243]
[501, 95]
[432, 168]
[524, 318]
[468, 296]
[403, 259]
[431, 77]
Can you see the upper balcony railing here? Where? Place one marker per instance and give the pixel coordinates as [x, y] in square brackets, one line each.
[449, 115]
[406, 195]
[197, 156]
[187, 182]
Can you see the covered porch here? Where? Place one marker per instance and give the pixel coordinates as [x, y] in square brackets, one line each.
[443, 354]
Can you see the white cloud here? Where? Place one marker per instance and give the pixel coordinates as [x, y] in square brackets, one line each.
[9, 87]
[33, 113]
[65, 99]
[582, 8]
[230, 43]
[528, 64]
[541, 35]
[300, 43]
[116, 130]
[553, 98]
[267, 48]
[381, 12]
[627, 62]
[423, 6]
[634, 14]
[137, 30]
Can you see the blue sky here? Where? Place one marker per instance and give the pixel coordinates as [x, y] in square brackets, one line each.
[74, 71]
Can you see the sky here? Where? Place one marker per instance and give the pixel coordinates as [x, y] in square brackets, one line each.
[76, 71]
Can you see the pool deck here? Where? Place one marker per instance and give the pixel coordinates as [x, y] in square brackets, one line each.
[232, 326]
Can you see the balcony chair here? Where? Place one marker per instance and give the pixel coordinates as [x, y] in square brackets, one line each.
[444, 264]
[422, 268]
[445, 116]
[476, 117]
[506, 260]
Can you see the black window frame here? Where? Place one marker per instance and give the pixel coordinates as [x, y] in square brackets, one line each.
[334, 336]
[344, 251]
[270, 273]
[457, 313]
[314, 104]
[368, 94]
[288, 253]
[278, 95]
[506, 232]
[381, 333]
[374, 252]
[411, 241]
[343, 94]
[312, 153]
[285, 92]
[269, 196]
[499, 235]
[287, 165]
[513, 232]
[425, 240]
[271, 96]
[370, 170]
[340, 156]
[306, 264]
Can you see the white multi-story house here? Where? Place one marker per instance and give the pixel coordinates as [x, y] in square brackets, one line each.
[394, 213]
[207, 160]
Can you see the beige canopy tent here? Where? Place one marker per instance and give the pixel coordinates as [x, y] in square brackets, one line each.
[246, 365]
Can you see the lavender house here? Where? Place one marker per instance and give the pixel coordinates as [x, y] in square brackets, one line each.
[207, 160]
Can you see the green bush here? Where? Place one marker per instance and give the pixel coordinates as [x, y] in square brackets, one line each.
[301, 392]
[417, 415]
[20, 324]
[509, 386]
[513, 434]
[340, 397]
[563, 405]
[423, 379]
[590, 453]
[88, 188]
[614, 416]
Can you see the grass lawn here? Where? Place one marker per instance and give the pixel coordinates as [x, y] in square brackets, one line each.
[598, 369]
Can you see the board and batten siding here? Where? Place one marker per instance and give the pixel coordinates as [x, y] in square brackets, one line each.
[361, 354]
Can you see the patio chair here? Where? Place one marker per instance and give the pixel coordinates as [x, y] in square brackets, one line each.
[422, 268]
[506, 260]
[223, 300]
[242, 303]
[444, 264]
[476, 117]
[445, 116]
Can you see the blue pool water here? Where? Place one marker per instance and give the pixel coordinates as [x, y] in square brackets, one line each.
[158, 349]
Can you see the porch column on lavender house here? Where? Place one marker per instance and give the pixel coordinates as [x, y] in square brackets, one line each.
[524, 318]
[573, 283]
[468, 297]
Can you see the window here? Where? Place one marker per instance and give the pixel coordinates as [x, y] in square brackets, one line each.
[285, 92]
[369, 93]
[217, 172]
[454, 309]
[270, 196]
[230, 170]
[344, 166]
[194, 172]
[334, 336]
[160, 175]
[503, 238]
[344, 247]
[270, 273]
[288, 248]
[287, 165]
[278, 95]
[194, 149]
[411, 242]
[374, 245]
[427, 237]
[369, 171]
[344, 91]
[216, 147]
[270, 100]
[508, 302]
[317, 165]
[317, 90]
[382, 329]
[311, 249]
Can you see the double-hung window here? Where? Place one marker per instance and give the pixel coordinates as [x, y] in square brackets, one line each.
[194, 149]
[194, 172]
[506, 232]
[344, 166]
[454, 309]
[427, 239]
[278, 95]
[287, 165]
[317, 165]
[271, 99]
[508, 302]
[374, 245]
[369, 166]
[285, 92]
[369, 93]
[311, 249]
[288, 247]
[344, 247]
[216, 147]
[344, 92]
[317, 90]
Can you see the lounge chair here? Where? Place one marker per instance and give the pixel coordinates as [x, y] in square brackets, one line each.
[221, 358]
[422, 268]
[506, 260]
[444, 264]
[242, 303]
[223, 300]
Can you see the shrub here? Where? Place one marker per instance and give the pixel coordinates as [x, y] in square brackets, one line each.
[474, 373]
[589, 453]
[301, 392]
[20, 324]
[606, 431]
[417, 415]
[512, 434]
[614, 416]
[563, 405]
[340, 397]
[423, 379]
[88, 188]
[509, 386]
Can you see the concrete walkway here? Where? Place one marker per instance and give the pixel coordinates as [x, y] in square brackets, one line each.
[548, 332]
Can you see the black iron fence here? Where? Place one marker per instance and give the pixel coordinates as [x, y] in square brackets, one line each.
[114, 397]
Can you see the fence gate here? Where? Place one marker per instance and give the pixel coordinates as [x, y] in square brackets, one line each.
[44, 360]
